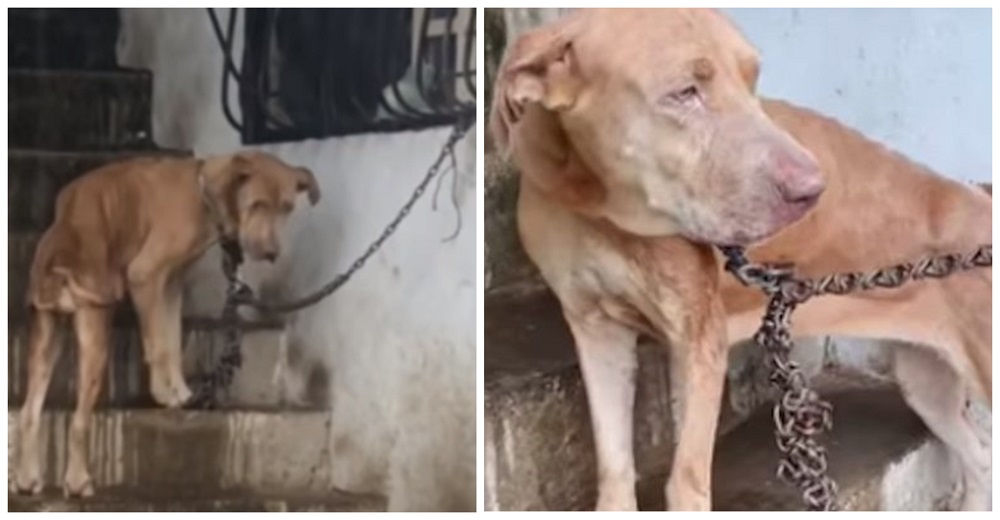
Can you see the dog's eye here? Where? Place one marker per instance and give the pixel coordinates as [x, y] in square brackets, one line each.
[257, 205]
[684, 96]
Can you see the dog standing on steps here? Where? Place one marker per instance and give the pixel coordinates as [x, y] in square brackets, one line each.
[133, 227]
[642, 145]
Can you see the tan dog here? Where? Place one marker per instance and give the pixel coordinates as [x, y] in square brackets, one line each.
[642, 144]
[134, 226]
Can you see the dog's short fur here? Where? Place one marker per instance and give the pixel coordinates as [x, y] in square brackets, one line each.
[642, 144]
[133, 227]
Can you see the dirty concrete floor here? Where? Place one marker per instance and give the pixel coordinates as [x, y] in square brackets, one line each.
[188, 500]
[525, 333]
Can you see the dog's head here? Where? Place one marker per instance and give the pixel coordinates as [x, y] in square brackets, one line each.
[258, 193]
[649, 118]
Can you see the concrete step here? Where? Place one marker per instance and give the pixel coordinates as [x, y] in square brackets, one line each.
[144, 500]
[506, 264]
[221, 460]
[62, 38]
[874, 431]
[34, 178]
[539, 447]
[79, 109]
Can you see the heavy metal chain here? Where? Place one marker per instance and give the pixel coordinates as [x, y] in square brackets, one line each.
[800, 415]
[448, 150]
[238, 293]
[206, 392]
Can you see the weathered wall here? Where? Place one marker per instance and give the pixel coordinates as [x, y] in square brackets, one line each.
[396, 345]
[918, 80]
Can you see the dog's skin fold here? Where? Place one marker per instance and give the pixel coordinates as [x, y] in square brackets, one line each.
[132, 228]
[642, 144]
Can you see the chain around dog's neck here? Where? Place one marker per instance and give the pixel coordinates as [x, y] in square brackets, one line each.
[230, 245]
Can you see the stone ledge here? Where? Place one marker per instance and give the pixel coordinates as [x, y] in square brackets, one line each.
[506, 263]
[873, 432]
[180, 451]
[539, 449]
[133, 500]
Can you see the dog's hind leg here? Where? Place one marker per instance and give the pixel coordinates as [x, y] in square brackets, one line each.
[43, 354]
[606, 350]
[92, 333]
[937, 394]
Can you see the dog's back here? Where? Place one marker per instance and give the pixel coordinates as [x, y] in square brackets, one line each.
[81, 250]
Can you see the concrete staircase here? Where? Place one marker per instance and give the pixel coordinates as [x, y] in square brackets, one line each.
[252, 455]
[539, 446]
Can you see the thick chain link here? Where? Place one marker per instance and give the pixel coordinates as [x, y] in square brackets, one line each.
[800, 415]
[448, 150]
[238, 293]
[206, 392]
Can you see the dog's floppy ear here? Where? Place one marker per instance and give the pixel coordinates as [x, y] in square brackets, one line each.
[307, 182]
[538, 69]
[223, 178]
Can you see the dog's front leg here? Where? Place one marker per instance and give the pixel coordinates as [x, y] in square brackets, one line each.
[606, 350]
[158, 302]
[697, 376]
[173, 338]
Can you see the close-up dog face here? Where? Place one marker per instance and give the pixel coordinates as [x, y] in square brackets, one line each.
[262, 196]
[663, 129]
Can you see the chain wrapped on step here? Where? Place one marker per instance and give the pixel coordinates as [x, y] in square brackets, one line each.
[206, 392]
[800, 415]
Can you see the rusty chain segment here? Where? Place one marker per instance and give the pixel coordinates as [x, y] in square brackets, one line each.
[206, 392]
[800, 415]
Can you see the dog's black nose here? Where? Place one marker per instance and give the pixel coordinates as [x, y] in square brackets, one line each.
[271, 257]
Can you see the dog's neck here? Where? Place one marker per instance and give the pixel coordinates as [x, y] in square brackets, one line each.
[223, 225]
[226, 233]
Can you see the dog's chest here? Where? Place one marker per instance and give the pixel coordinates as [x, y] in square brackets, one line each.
[634, 287]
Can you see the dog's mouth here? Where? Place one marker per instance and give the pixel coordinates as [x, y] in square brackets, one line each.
[752, 231]
[262, 256]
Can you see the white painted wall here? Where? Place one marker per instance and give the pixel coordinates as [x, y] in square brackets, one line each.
[399, 339]
[917, 80]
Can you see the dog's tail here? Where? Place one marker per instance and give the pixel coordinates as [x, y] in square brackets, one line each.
[64, 262]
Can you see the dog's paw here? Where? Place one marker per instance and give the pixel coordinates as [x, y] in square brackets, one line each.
[182, 394]
[170, 394]
[26, 483]
[78, 484]
[159, 388]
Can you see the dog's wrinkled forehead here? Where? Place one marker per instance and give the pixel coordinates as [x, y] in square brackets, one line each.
[651, 47]
[270, 170]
